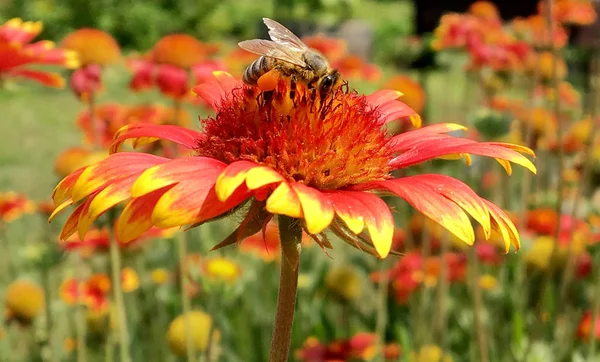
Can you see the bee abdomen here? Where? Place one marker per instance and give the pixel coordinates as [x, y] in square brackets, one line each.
[255, 70]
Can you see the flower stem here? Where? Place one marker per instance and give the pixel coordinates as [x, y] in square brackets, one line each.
[47, 283]
[80, 326]
[478, 307]
[94, 121]
[115, 265]
[186, 303]
[290, 235]
[595, 313]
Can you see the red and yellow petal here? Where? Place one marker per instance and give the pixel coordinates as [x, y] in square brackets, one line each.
[111, 169]
[72, 223]
[108, 197]
[317, 209]
[64, 189]
[348, 209]
[378, 220]
[232, 177]
[175, 171]
[390, 108]
[193, 201]
[49, 79]
[143, 133]
[218, 89]
[459, 193]
[136, 217]
[431, 203]
[261, 176]
[359, 209]
[401, 141]
[284, 201]
[427, 147]
[502, 223]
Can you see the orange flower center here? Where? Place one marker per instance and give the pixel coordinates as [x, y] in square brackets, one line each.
[324, 142]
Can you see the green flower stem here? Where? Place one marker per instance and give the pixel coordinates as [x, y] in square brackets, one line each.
[290, 235]
[80, 325]
[478, 307]
[595, 313]
[186, 303]
[115, 265]
[94, 121]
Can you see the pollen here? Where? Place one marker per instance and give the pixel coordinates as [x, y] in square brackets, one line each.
[328, 142]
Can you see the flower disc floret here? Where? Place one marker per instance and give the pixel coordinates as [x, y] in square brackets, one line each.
[327, 143]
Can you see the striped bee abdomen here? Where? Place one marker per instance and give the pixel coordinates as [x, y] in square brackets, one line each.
[255, 70]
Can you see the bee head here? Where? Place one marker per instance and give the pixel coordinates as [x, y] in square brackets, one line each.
[329, 81]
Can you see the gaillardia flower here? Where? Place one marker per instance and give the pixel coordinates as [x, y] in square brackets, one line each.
[96, 49]
[323, 159]
[17, 51]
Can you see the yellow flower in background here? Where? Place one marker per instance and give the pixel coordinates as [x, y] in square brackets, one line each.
[546, 66]
[344, 282]
[222, 269]
[69, 344]
[540, 252]
[413, 93]
[159, 276]
[73, 158]
[488, 282]
[93, 46]
[201, 328]
[24, 300]
[129, 279]
[430, 353]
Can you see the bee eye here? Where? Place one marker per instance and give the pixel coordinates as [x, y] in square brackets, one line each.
[327, 83]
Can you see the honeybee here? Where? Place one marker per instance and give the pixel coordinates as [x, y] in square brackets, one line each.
[286, 53]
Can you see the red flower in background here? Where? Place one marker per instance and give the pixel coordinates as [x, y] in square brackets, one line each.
[481, 33]
[17, 52]
[14, 205]
[169, 63]
[585, 327]
[110, 117]
[332, 48]
[94, 291]
[96, 49]
[98, 240]
[362, 346]
[413, 270]
[533, 30]
[413, 93]
[574, 12]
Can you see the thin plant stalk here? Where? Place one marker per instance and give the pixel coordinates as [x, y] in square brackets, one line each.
[80, 324]
[382, 306]
[186, 303]
[478, 307]
[47, 284]
[115, 266]
[94, 121]
[441, 315]
[290, 235]
[595, 312]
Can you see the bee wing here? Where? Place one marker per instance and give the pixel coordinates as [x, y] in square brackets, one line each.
[282, 35]
[272, 49]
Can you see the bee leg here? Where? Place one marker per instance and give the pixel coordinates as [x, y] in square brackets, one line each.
[293, 89]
